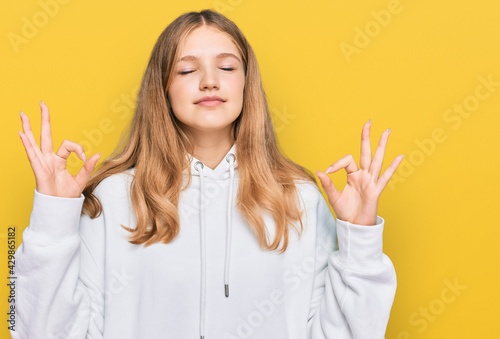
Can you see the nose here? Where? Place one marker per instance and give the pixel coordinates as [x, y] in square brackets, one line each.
[209, 80]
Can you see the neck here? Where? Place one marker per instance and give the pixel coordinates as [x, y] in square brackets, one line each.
[211, 147]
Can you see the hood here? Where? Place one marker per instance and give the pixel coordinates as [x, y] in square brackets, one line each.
[224, 170]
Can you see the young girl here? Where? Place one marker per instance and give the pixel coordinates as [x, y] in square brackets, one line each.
[198, 226]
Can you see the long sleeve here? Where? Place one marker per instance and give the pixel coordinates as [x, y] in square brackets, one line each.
[355, 282]
[60, 280]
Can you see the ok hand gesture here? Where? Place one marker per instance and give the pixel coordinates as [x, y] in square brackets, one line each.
[52, 177]
[357, 202]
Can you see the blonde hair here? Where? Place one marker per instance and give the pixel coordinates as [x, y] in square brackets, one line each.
[156, 146]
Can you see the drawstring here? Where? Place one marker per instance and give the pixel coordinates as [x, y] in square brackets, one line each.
[230, 159]
[199, 167]
[202, 245]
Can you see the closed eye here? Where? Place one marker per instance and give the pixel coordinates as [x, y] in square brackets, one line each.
[223, 68]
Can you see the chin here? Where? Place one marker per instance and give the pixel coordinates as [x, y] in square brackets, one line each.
[219, 120]
[211, 127]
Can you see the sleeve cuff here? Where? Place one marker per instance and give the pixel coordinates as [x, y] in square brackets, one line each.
[360, 246]
[55, 217]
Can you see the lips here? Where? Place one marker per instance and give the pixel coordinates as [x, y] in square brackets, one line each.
[210, 98]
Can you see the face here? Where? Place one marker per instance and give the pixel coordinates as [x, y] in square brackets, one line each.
[209, 65]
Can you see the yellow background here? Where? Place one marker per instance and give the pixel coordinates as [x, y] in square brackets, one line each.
[87, 58]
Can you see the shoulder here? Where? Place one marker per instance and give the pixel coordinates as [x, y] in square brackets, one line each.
[115, 187]
[314, 202]
[319, 216]
[308, 191]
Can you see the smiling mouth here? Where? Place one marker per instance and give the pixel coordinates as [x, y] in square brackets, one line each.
[210, 103]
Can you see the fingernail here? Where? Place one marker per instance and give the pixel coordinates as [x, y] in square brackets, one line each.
[403, 156]
[19, 132]
[389, 130]
[328, 170]
[99, 155]
[369, 121]
[317, 173]
[21, 114]
[41, 102]
[84, 157]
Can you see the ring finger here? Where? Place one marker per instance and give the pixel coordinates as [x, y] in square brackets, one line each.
[378, 157]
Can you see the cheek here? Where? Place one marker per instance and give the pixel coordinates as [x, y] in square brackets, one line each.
[176, 101]
[237, 93]
[176, 95]
[237, 87]
[242, 83]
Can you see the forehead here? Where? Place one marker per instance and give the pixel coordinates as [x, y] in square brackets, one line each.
[207, 41]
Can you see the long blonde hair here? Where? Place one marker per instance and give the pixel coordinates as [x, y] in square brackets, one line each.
[156, 146]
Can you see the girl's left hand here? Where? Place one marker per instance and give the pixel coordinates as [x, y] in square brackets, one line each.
[357, 203]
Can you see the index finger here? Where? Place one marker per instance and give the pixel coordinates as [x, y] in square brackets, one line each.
[46, 145]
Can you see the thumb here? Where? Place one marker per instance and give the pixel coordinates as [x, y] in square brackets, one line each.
[329, 187]
[88, 167]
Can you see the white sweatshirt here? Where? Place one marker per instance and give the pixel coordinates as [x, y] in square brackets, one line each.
[79, 277]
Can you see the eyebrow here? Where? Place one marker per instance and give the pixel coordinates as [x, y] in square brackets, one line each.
[219, 56]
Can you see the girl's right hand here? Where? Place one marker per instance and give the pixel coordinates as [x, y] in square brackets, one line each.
[51, 175]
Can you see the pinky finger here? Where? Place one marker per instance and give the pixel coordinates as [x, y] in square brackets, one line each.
[386, 176]
[30, 152]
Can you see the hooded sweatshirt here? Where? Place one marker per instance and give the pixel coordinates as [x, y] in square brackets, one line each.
[78, 277]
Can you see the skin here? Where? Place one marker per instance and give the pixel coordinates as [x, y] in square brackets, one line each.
[209, 126]
[357, 202]
[51, 175]
[211, 129]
